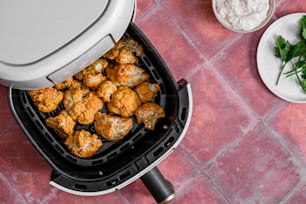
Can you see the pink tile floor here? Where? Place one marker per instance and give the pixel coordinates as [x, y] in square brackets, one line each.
[244, 145]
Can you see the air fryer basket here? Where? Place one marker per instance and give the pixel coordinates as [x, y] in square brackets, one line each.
[116, 164]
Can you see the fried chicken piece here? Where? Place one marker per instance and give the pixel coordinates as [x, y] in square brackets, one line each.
[83, 144]
[92, 75]
[130, 44]
[148, 114]
[73, 96]
[62, 124]
[112, 128]
[126, 75]
[78, 76]
[125, 43]
[93, 80]
[47, 99]
[106, 90]
[124, 102]
[65, 84]
[82, 104]
[111, 54]
[147, 91]
[78, 85]
[126, 57]
[84, 111]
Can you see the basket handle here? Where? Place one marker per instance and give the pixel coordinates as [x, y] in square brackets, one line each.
[161, 189]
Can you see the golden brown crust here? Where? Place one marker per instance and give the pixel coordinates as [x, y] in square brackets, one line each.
[62, 124]
[125, 56]
[93, 80]
[92, 75]
[111, 54]
[124, 102]
[73, 96]
[127, 44]
[112, 128]
[106, 90]
[126, 75]
[65, 84]
[115, 79]
[148, 114]
[147, 91]
[83, 144]
[47, 99]
[130, 44]
[83, 111]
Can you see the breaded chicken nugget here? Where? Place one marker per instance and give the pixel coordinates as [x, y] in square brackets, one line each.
[84, 111]
[47, 99]
[112, 128]
[62, 124]
[130, 44]
[126, 75]
[124, 102]
[65, 84]
[83, 144]
[148, 114]
[147, 91]
[73, 96]
[126, 56]
[106, 90]
[92, 75]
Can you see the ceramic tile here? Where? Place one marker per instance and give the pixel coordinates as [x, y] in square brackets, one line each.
[237, 64]
[286, 7]
[24, 168]
[8, 194]
[298, 197]
[249, 171]
[290, 124]
[143, 7]
[217, 117]
[177, 52]
[199, 190]
[63, 197]
[178, 167]
[137, 193]
[197, 20]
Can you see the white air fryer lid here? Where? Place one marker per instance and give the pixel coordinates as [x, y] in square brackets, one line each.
[44, 42]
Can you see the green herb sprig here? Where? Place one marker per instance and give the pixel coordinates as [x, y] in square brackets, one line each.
[295, 54]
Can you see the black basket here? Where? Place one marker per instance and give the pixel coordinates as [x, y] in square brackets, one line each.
[117, 162]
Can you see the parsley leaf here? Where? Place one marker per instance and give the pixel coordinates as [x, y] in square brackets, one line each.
[293, 53]
[302, 31]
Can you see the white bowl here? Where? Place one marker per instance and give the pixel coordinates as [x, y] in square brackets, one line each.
[233, 24]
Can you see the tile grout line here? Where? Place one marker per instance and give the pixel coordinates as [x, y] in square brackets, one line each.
[221, 78]
[189, 158]
[8, 129]
[295, 158]
[11, 187]
[147, 13]
[295, 190]
[216, 187]
[48, 198]
[187, 182]
[280, 137]
[230, 145]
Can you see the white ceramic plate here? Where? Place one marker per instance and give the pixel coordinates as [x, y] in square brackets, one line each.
[268, 65]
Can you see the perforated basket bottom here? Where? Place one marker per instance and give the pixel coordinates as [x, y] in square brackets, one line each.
[115, 163]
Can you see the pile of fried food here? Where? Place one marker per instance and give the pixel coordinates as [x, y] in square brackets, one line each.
[113, 81]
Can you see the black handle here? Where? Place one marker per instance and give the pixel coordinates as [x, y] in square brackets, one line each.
[161, 189]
